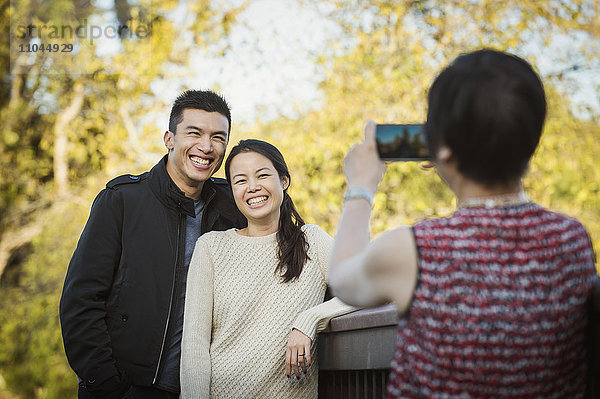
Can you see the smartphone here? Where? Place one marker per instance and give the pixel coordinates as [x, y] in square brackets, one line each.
[401, 142]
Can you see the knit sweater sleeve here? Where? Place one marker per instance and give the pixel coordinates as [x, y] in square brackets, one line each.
[314, 320]
[197, 324]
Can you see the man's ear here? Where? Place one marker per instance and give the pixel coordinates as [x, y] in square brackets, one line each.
[168, 139]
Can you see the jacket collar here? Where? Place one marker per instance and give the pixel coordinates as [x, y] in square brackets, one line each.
[170, 195]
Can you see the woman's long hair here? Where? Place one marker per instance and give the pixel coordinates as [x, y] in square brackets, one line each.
[292, 247]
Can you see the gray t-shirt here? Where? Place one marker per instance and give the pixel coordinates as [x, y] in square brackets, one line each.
[169, 376]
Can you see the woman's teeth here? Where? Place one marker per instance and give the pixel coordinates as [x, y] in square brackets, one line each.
[257, 200]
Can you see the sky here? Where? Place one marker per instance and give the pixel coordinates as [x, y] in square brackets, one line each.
[269, 68]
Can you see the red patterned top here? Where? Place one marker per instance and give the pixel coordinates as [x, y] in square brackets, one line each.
[499, 308]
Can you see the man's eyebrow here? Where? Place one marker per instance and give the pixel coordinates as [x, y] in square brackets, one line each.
[192, 127]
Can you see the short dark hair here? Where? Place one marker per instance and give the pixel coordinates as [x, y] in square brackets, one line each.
[205, 100]
[292, 246]
[489, 108]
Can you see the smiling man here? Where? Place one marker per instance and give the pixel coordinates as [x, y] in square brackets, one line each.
[122, 305]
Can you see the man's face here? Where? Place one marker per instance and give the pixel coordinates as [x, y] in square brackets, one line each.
[196, 149]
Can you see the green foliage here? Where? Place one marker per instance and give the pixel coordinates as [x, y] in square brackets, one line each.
[564, 174]
[32, 359]
[385, 76]
[27, 152]
[384, 65]
[99, 108]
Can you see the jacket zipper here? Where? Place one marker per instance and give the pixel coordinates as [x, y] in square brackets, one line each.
[203, 227]
[177, 260]
[175, 270]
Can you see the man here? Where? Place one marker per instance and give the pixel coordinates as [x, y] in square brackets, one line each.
[122, 304]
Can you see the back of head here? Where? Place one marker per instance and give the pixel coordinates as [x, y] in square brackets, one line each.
[489, 108]
[205, 100]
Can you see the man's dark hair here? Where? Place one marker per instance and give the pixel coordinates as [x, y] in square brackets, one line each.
[489, 108]
[198, 99]
[292, 246]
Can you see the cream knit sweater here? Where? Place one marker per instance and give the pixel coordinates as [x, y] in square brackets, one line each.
[238, 316]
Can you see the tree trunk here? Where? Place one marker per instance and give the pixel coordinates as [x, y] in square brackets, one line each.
[65, 116]
[16, 239]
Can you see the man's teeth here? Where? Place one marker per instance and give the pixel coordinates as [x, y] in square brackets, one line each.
[257, 200]
[200, 161]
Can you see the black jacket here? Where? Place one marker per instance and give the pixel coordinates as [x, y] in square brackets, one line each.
[119, 292]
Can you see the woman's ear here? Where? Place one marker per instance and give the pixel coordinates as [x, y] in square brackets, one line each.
[285, 182]
[444, 154]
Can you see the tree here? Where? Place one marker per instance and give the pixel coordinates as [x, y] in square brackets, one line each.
[64, 133]
[69, 120]
[392, 52]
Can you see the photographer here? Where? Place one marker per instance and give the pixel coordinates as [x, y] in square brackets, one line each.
[494, 295]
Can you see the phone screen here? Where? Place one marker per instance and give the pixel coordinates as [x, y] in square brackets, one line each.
[401, 142]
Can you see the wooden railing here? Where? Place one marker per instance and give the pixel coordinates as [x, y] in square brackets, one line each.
[355, 352]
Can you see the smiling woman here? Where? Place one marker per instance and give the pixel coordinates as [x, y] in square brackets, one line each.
[271, 177]
[251, 290]
[258, 191]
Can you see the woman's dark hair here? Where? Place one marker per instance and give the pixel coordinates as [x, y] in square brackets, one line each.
[489, 108]
[292, 247]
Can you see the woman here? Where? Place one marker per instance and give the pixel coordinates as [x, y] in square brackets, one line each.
[249, 289]
[494, 295]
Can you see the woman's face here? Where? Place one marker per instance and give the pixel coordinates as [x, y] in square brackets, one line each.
[257, 187]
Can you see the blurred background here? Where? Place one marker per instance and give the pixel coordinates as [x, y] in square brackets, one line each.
[301, 74]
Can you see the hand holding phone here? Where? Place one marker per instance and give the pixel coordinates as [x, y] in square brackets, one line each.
[362, 165]
[401, 142]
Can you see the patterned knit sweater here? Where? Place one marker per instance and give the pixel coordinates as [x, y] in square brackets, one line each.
[233, 287]
[499, 308]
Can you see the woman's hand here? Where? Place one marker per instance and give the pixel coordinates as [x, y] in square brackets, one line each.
[362, 165]
[297, 353]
